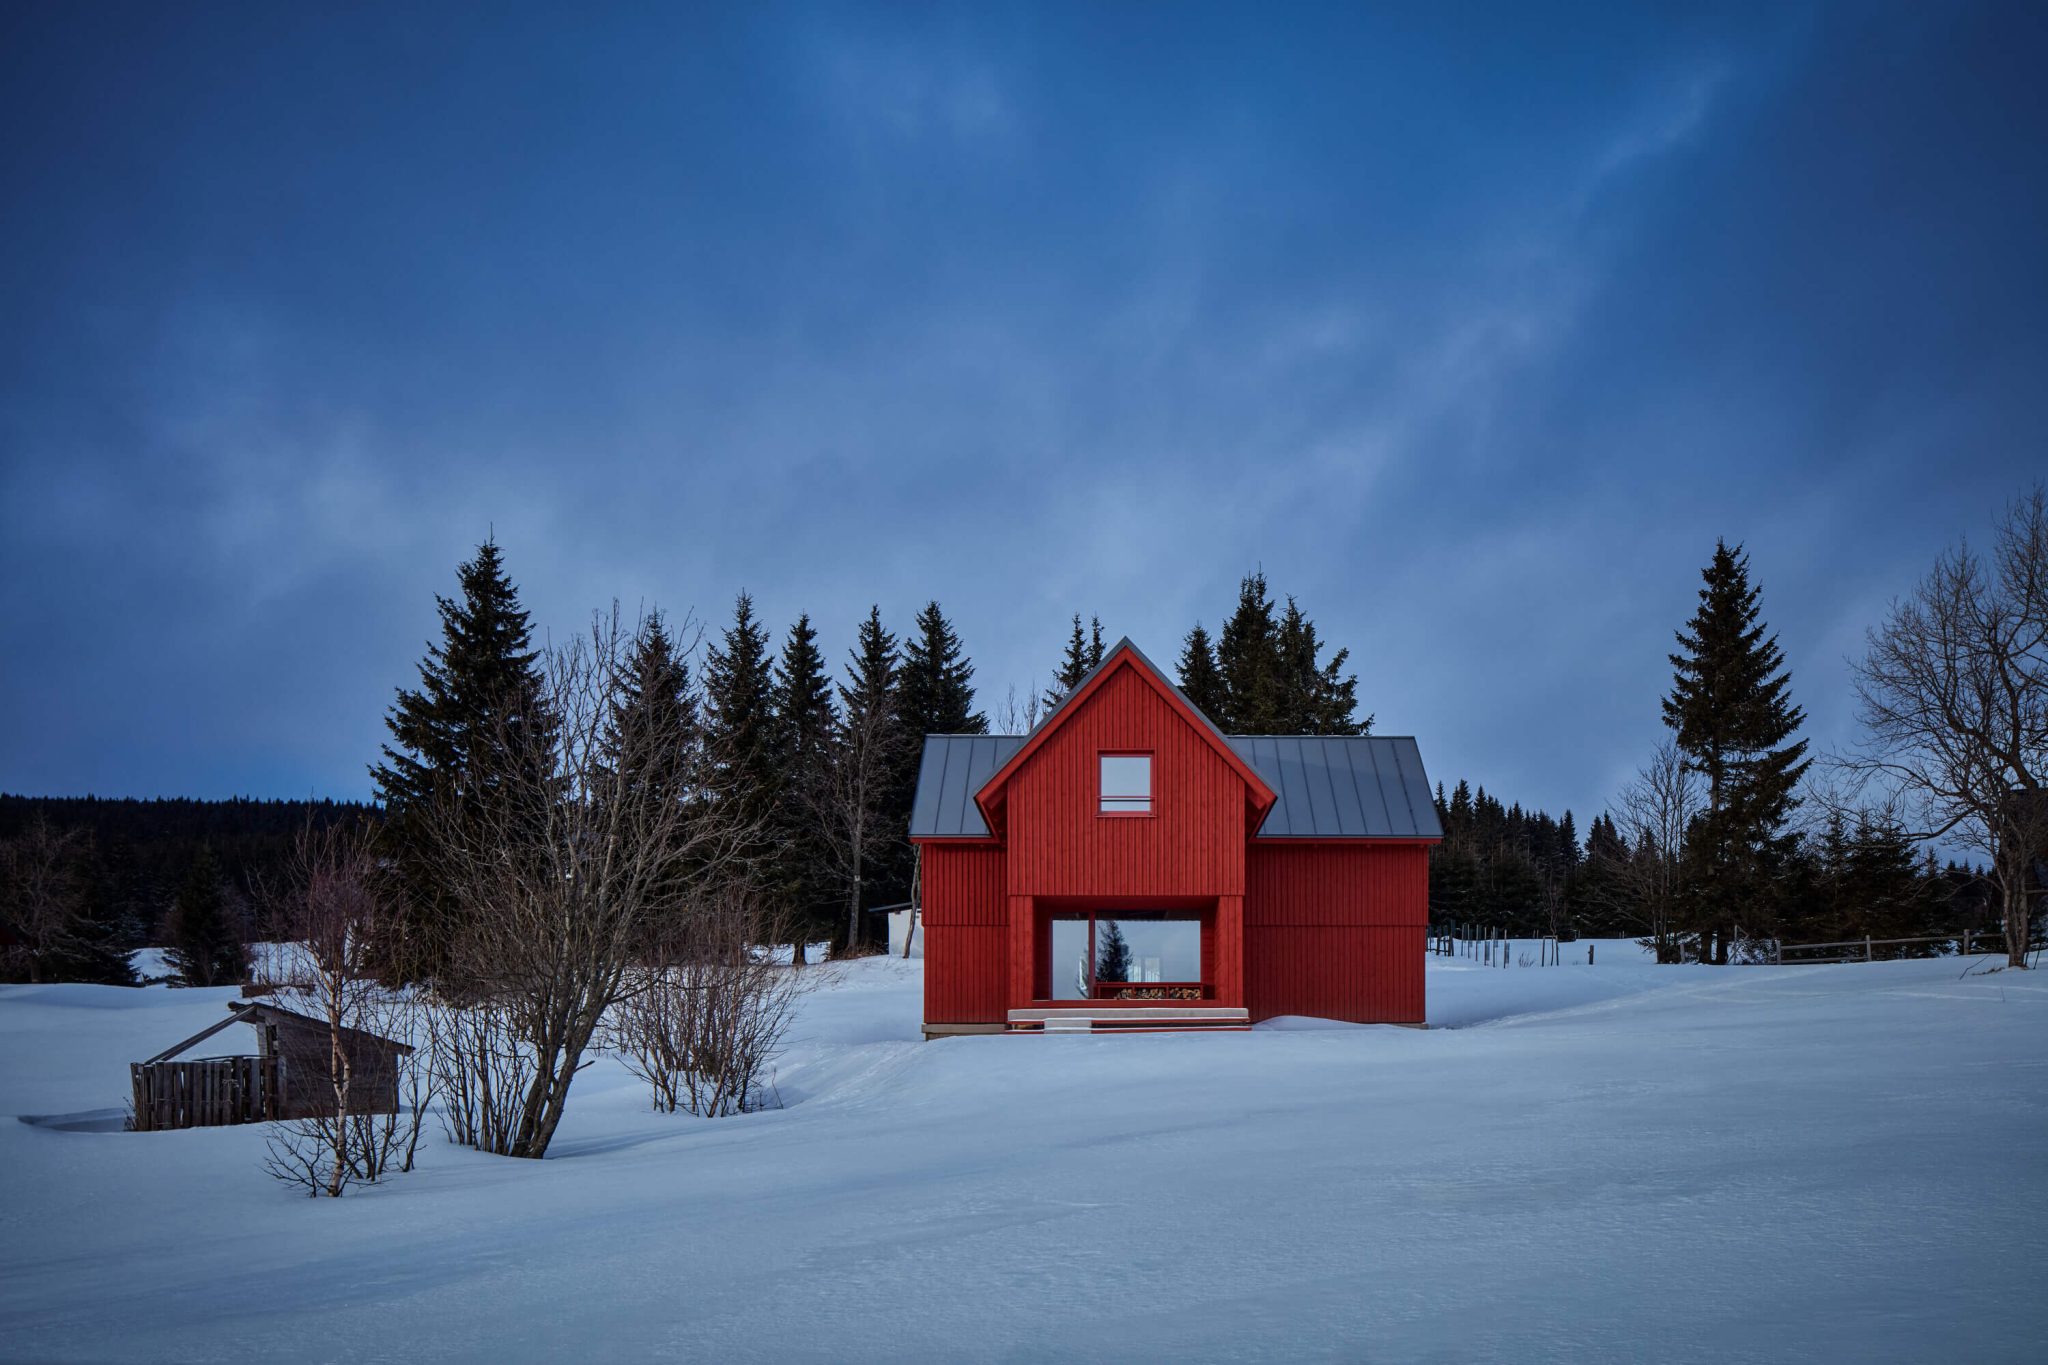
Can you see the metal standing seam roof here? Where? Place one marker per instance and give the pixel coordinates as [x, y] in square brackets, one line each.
[953, 769]
[1330, 786]
[1342, 786]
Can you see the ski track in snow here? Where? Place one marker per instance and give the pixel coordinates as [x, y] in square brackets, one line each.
[1578, 1163]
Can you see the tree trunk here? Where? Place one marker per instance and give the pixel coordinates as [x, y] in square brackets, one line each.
[2018, 931]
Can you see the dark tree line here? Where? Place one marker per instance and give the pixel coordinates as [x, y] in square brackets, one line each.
[84, 881]
[1501, 866]
[1528, 875]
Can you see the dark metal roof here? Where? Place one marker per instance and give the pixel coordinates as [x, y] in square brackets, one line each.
[1330, 786]
[953, 769]
[1342, 786]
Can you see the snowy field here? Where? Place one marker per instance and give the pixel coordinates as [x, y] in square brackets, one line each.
[1607, 1163]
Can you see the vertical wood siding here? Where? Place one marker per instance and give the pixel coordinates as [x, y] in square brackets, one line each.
[1351, 883]
[1365, 975]
[1336, 931]
[965, 922]
[963, 884]
[964, 967]
[1193, 843]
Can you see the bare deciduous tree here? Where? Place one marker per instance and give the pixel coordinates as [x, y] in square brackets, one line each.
[847, 799]
[1019, 715]
[329, 912]
[1657, 810]
[1953, 693]
[561, 886]
[42, 894]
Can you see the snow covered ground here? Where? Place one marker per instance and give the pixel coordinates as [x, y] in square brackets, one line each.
[1606, 1163]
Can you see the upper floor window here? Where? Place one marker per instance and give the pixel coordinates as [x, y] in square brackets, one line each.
[1127, 784]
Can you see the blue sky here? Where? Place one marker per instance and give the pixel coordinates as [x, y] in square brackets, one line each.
[1474, 327]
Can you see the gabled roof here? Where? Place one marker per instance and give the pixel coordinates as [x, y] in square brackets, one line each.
[261, 1012]
[1329, 786]
[953, 769]
[1343, 786]
[1123, 654]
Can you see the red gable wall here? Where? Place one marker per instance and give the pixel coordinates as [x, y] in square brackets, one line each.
[1061, 845]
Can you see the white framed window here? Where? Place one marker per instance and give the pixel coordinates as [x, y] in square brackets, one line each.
[1126, 784]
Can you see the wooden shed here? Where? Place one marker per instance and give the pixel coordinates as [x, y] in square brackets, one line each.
[1129, 865]
[290, 1075]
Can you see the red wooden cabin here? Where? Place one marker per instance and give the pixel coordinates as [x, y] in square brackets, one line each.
[1127, 864]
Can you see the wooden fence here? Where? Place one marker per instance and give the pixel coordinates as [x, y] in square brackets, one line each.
[1866, 949]
[204, 1093]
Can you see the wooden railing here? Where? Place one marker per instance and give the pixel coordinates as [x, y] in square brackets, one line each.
[204, 1093]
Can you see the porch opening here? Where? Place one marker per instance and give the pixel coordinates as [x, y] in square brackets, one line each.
[1135, 955]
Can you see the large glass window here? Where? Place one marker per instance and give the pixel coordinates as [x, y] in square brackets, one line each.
[1126, 956]
[1126, 784]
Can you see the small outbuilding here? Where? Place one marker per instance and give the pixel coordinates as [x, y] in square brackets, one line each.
[1126, 864]
[290, 1076]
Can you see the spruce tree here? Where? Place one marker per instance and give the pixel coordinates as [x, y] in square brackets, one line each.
[1094, 643]
[934, 696]
[1074, 664]
[1881, 888]
[870, 686]
[1732, 714]
[937, 692]
[206, 949]
[1600, 895]
[481, 694]
[804, 730]
[740, 736]
[1314, 698]
[1199, 680]
[1247, 657]
[655, 698]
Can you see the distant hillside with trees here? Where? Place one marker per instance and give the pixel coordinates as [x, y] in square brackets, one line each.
[84, 880]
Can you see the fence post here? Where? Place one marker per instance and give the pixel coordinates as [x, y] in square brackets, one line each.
[1868, 956]
[1589, 954]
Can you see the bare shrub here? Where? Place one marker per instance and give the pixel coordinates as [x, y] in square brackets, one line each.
[707, 1016]
[483, 1067]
